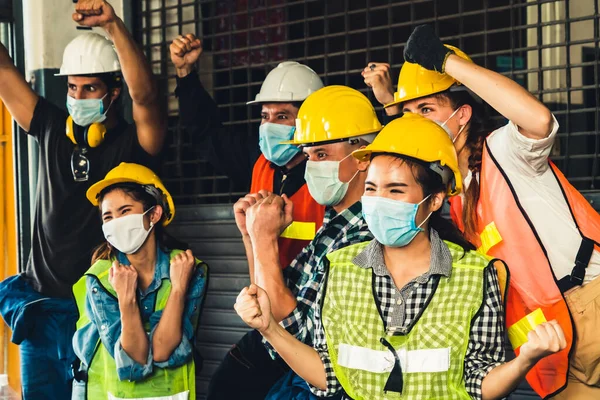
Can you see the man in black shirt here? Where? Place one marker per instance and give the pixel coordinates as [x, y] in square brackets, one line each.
[75, 151]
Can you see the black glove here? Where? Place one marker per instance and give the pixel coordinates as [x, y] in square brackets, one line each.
[425, 48]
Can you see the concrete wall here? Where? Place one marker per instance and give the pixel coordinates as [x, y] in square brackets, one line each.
[48, 28]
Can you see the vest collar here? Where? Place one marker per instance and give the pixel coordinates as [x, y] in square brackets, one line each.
[161, 271]
[441, 258]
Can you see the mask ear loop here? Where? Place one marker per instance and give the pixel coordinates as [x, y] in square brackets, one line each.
[109, 105]
[448, 119]
[353, 176]
[146, 212]
[429, 215]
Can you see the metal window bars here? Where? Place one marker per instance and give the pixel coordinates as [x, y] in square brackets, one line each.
[549, 46]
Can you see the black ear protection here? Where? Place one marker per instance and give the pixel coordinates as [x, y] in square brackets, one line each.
[90, 136]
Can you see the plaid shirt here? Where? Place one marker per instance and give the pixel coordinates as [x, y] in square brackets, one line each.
[399, 308]
[305, 274]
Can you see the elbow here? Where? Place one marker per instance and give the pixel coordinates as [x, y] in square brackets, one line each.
[546, 123]
[144, 97]
[160, 356]
[161, 352]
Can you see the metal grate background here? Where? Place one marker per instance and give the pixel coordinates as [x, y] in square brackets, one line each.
[549, 46]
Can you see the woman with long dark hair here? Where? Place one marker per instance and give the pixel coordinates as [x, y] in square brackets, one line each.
[517, 205]
[416, 311]
[139, 302]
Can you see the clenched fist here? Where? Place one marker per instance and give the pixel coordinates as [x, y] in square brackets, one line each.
[94, 13]
[546, 339]
[269, 217]
[243, 204]
[185, 51]
[254, 308]
[181, 271]
[124, 279]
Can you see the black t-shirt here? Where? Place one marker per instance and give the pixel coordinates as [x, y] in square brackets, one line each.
[67, 227]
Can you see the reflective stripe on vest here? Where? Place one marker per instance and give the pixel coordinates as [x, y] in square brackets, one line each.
[300, 230]
[180, 396]
[102, 380]
[431, 354]
[506, 232]
[422, 360]
[308, 214]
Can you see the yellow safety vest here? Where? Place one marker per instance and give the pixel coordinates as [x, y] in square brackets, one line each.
[102, 380]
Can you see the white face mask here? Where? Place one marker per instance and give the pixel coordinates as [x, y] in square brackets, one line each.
[127, 234]
[324, 185]
[443, 125]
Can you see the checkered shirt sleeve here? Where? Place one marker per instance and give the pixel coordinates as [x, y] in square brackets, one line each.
[305, 274]
[486, 345]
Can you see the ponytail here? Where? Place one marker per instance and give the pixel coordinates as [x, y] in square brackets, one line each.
[479, 127]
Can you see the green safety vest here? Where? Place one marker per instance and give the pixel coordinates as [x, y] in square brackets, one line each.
[102, 380]
[431, 351]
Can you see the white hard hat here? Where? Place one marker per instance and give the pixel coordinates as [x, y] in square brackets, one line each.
[89, 53]
[288, 82]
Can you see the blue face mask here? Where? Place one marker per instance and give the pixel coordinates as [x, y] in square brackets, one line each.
[270, 138]
[392, 222]
[323, 181]
[86, 111]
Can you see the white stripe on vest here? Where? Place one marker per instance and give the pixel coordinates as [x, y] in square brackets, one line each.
[179, 396]
[423, 360]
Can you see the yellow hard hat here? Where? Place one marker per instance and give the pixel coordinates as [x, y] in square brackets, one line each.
[415, 81]
[334, 114]
[420, 138]
[135, 173]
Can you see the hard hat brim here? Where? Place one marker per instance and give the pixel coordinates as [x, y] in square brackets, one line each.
[313, 142]
[263, 101]
[88, 73]
[94, 191]
[365, 155]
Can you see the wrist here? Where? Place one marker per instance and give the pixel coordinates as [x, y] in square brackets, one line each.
[127, 303]
[525, 363]
[178, 291]
[271, 330]
[113, 26]
[266, 249]
[184, 71]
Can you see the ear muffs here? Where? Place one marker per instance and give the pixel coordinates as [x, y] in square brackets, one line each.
[91, 136]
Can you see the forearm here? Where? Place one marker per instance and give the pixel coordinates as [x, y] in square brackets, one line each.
[169, 331]
[268, 275]
[502, 380]
[5, 60]
[133, 337]
[303, 359]
[505, 95]
[135, 68]
[249, 255]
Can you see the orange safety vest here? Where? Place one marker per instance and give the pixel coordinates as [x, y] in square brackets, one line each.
[308, 214]
[506, 232]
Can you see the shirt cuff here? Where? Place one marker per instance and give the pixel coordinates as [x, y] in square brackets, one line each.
[475, 380]
[128, 368]
[534, 145]
[333, 386]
